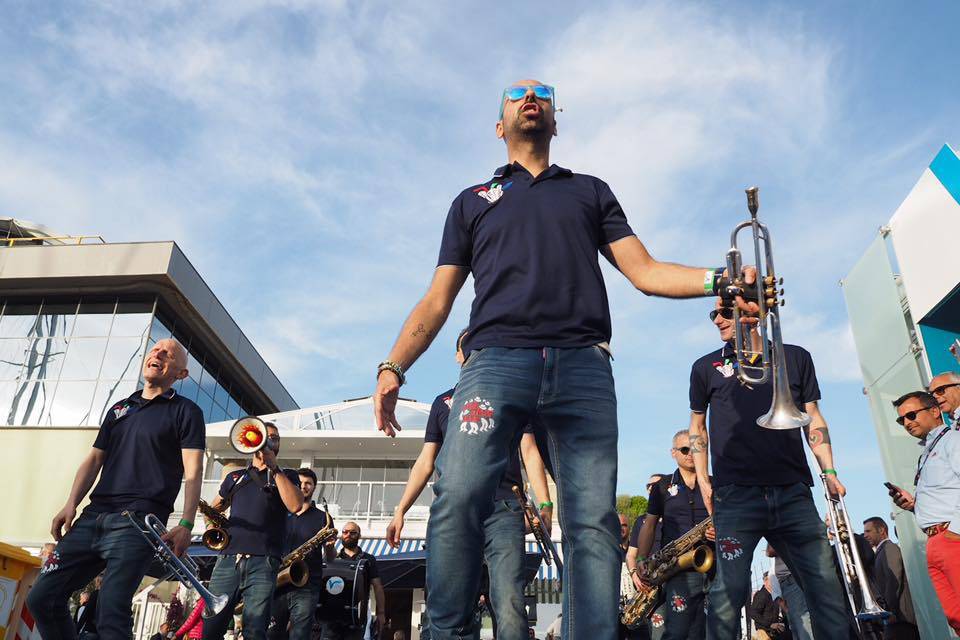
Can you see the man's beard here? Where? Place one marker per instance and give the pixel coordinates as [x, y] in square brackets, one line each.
[351, 544]
[535, 131]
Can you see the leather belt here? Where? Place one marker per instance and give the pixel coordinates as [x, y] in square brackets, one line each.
[935, 529]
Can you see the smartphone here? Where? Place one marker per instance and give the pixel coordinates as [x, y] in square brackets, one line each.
[892, 487]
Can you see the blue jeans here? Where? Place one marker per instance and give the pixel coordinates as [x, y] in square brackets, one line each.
[797, 612]
[251, 579]
[684, 613]
[787, 517]
[569, 395]
[504, 552]
[296, 606]
[105, 541]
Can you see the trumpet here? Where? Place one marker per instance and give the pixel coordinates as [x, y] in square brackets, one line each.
[216, 537]
[851, 567]
[184, 569]
[769, 361]
[547, 549]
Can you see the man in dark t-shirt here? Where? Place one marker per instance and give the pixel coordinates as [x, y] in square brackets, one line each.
[350, 550]
[676, 506]
[503, 530]
[260, 497]
[292, 604]
[539, 353]
[147, 444]
[761, 483]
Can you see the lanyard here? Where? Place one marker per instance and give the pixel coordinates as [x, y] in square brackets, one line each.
[922, 460]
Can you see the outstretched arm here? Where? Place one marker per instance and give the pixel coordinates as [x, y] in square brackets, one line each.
[700, 448]
[652, 277]
[537, 475]
[419, 330]
[818, 437]
[86, 474]
[419, 476]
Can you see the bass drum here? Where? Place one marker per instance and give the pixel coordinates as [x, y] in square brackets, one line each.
[344, 593]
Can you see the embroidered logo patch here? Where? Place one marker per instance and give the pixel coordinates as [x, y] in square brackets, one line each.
[673, 490]
[51, 562]
[657, 620]
[120, 410]
[678, 603]
[492, 193]
[725, 368]
[448, 400]
[476, 416]
[730, 548]
[335, 585]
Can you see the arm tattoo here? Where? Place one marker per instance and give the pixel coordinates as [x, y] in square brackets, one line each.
[818, 436]
[421, 331]
[696, 443]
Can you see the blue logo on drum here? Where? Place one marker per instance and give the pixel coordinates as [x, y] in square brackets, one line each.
[335, 585]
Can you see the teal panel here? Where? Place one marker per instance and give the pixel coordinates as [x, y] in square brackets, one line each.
[946, 166]
[881, 332]
[936, 343]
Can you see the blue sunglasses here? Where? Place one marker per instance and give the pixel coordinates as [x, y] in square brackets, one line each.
[518, 91]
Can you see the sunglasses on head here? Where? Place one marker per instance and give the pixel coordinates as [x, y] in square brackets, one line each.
[724, 312]
[942, 389]
[912, 415]
[518, 91]
[683, 450]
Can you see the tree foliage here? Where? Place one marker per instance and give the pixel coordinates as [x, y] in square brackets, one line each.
[631, 506]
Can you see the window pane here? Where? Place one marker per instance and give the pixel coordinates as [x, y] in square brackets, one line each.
[93, 319]
[123, 359]
[30, 402]
[348, 497]
[84, 356]
[220, 396]
[189, 389]
[217, 413]
[158, 330]
[397, 470]
[108, 393]
[205, 402]
[349, 470]
[71, 404]
[391, 497]
[132, 319]
[208, 383]
[11, 357]
[18, 319]
[56, 319]
[233, 409]
[7, 389]
[325, 469]
[194, 367]
[372, 471]
[376, 499]
[44, 358]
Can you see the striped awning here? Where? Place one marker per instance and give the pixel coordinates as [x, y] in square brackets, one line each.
[380, 547]
[547, 571]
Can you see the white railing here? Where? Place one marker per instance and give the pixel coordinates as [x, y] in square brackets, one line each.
[364, 500]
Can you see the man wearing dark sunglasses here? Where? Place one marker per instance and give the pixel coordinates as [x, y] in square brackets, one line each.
[678, 504]
[936, 504]
[538, 352]
[946, 389]
[761, 484]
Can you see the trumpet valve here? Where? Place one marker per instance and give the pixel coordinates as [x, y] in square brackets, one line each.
[771, 302]
[769, 281]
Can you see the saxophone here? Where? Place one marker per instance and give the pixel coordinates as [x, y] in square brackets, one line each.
[690, 551]
[293, 567]
[216, 537]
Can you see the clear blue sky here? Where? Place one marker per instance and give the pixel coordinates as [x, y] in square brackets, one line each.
[304, 156]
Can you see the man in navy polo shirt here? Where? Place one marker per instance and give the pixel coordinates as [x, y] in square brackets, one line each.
[294, 604]
[503, 530]
[676, 502]
[260, 497]
[761, 484]
[538, 353]
[147, 444]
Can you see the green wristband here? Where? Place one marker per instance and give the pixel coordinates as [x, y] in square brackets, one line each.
[544, 505]
[186, 523]
[708, 282]
[832, 472]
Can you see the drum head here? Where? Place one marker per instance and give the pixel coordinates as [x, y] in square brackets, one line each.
[344, 593]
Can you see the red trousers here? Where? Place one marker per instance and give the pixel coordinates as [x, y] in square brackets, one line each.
[943, 563]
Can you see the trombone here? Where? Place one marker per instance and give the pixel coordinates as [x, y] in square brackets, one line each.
[184, 569]
[769, 361]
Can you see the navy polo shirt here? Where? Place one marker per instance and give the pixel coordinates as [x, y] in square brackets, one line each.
[679, 507]
[143, 442]
[635, 534]
[437, 427]
[257, 515]
[302, 527]
[369, 566]
[532, 246]
[741, 451]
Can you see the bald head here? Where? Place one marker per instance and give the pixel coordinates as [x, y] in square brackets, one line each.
[166, 362]
[945, 387]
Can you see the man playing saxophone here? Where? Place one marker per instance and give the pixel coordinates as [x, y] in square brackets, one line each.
[762, 484]
[676, 501]
[292, 604]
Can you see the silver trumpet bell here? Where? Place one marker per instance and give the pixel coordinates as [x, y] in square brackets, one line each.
[183, 569]
[763, 356]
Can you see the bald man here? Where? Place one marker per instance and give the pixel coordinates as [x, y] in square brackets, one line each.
[538, 347]
[350, 550]
[147, 444]
[945, 387]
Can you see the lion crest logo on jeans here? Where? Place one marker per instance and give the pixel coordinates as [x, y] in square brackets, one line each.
[51, 562]
[476, 416]
[730, 548]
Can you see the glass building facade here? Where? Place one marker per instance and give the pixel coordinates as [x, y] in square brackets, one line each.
[65, 361]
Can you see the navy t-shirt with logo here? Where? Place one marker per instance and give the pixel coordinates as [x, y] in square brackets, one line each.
[532, 246]
[437, 427]
[300, 528]
[370, 570]
[741, 451]
[679, 507]
[143, 442]
[257, 515]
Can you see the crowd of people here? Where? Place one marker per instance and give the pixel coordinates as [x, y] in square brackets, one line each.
[535, 390]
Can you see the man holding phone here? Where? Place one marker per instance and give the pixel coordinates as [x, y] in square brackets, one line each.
[936, 504]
